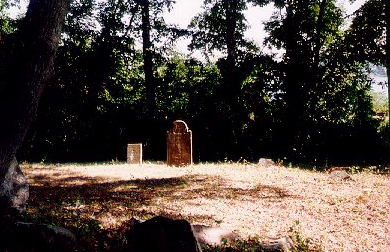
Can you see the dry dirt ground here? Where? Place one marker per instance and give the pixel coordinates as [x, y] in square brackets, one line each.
[267, 202]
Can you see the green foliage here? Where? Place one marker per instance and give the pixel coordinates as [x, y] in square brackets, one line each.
[325, 91]
[250, 245]
[380, 102]
[366, 35]
[368, 41]
[302, 243]
[220, 22]
[7, 25]
[312, 105]
[186, 87]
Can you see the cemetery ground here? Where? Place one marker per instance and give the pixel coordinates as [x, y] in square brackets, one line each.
[318, 211]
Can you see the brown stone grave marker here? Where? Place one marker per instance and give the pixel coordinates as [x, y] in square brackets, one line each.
[134, 153]
[179, 144]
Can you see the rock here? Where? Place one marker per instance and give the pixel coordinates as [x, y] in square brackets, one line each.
[340, 175]
[14, 191]
[161, 234]
[23, 237]
[213, 236]
[266, 162]
[284, 244]
[134, 220]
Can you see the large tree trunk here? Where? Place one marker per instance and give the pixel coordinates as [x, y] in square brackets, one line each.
[318, 34]
[293, 94]
[230, 87]
[231, 29]
[148, 59]
[387, 49]
[29, 61]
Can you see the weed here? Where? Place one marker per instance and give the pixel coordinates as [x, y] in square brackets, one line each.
[250, 245]
[301, 242]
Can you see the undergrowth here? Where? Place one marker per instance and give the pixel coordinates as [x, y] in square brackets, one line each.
[254, 244]
[251, 245]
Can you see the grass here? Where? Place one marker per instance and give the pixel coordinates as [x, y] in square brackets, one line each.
[96, 202]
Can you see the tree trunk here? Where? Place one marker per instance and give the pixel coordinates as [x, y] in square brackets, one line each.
[230, 86]
[316, 81]
[293, 94]
[387, 49]
[29, 62]
[230, 34]
[148, 60]
[318, 41]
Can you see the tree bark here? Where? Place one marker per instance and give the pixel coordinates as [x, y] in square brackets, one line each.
[387, 51]
[29, 61]
[148, 59]
[318, 34]
[293, 94]
[231, 27]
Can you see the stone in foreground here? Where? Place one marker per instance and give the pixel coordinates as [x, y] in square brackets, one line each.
[31, 237]
[284, 244]
[161, 234]
[213, 236]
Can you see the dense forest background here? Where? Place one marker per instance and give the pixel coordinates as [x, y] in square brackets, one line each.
[118, 80]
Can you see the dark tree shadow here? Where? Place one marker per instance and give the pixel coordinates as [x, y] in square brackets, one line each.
[77, 202]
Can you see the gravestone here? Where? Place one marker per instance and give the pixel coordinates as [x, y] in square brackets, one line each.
[179, 144]
[134, 153]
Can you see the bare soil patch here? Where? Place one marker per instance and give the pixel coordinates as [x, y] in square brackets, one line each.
[337, 215]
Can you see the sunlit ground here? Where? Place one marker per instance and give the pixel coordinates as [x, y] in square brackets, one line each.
[335, 215]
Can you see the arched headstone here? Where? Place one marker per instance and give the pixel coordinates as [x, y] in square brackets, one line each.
[179, 144]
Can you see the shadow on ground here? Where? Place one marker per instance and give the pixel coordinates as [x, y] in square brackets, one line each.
[81, 203]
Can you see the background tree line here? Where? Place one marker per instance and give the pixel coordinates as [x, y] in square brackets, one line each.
[117, 80]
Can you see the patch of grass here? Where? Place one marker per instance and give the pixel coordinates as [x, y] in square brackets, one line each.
[380, 169]
[254, 244]
[251, 245]
[302, 243]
